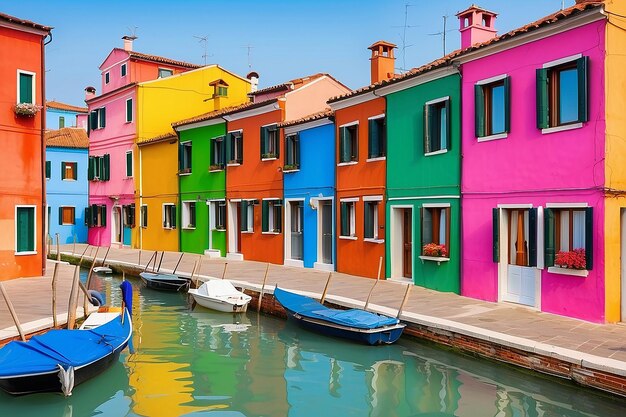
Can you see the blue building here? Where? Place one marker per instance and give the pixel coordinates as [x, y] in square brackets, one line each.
[67, 188]
[60, 115]
[309, 191]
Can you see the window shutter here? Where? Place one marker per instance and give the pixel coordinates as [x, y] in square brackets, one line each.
[229, 147]
[263, 141]
[61, 122]
[106, 169]
[542, 100]
[495, 229]
[448, 137]
[296, 150]
[278, 218]
[87, 216]
[420, 235]
[173, 219]
[180, 157]
[129, 110]
[372, 138]
[479, 111]
[589, 238]
[583, 90]
[344, 145]
[507, 104]
[532, 237]
[548, 233]
[129, 164]
[344, 219]
[103, 211]
[90, 168]
[131, 213]
[60, 215]
[222, 155]
[48, 169]
[426, 128]
[62, 170]
[277, 141]
[239, 144]
[103, 117]
[369, 220]
[265, 216]
[93, 120]
[26, 88]
[94, 214]
[243, 218]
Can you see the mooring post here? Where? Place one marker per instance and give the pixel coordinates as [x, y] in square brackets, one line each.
[93, 264]
[12, 311]
[258, 307]
[139, 261]
[58, 250]
[380, 265]
[404, 300]
[54, 294]
[71, 309]
[330, 275]
[74, 247]
[80, 262]
[224, 271]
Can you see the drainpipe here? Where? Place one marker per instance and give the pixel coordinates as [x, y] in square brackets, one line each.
[140, 198]
[44, 202]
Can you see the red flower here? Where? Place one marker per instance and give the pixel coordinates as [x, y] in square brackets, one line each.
[433, 249]
[574, 259]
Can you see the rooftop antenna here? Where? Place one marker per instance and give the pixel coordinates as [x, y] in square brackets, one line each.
[249, 48]
[562, 4]
[443, 33]
[205, 40]
[404, 28]
[132, 31]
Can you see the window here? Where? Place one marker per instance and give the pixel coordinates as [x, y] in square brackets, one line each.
[435, 231]
[97, 118]
[25, 229]
[349, 143]
[184, 158]
[218, 153]
[48, 169]
[165, 72]
[270, 145]
[26, 87]
[246, 221]
[123, 70]
[99, 168]
[234, 147]
[220, 88]
[69, 171]
[61, 122]
[129, 164]
[377, 138]
[271, 219]
[568, 233]
[189, 215]
[292, 152]
[96, 215]
[144, 215]
[437, 125]
[371, 219]
[219, 215]
[129, 110]
[562, 93]
[107, 78]
[522, 231]
[129, 215]
[67, 215]
[169, 216]
[348, 219]
[492, 107]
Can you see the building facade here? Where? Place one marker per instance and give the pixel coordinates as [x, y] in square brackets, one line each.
[60, 115]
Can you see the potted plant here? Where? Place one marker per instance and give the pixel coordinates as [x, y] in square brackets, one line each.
[435, 250]
[26, 109]
[290, 167]
[216, 167]
[574, 259]
[268, 155]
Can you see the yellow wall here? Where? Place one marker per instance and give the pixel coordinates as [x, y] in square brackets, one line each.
[615, 152]
[160, 103]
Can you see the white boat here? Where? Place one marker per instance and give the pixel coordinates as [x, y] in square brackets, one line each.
[102, 270]
[221, 295]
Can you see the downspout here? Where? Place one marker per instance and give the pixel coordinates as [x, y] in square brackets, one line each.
[44, 202]
[461, 239]
[140, 198]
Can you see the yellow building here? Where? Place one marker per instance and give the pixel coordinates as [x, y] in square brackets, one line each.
[160, 103]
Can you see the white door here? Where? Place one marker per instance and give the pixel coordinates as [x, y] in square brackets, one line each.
[623, 263]
[116, 230]
[520, 281]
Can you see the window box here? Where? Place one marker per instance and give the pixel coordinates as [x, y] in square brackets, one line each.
[270, 142]
[290, 168]
[214, 168]
[26, 109]
[184, 171]
[438, 259]
[267, 156]
[568, 271]
[435, 224]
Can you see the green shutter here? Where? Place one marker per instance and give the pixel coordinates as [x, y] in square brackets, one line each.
[276, 141]
[344, 219]
[103, 213]
[548, 233]
[479, 111]
[91, 166]
[495, 230]
[296, 150]
[583, 88]
[448, 126]
[373, 139]
[131, 213]
[532, 237]
[61, 122]
[25, 229]
[106, 167]
[223, 154]
[180, 157]
[174, 217]
[48, 169]
[507, 104]
[129, 164]
[62, 170]
[427, 128]
[243, 220]
[344, 145]
[94, 214]
[240, 148]
[93, 120]
[369, 220]
[88, 216]
[265, 216]
[589, 238]
[229, 148]
[129, 110]
[26, 88]
[60, 215]
[263, 141]
[543, 115]
[278, 219]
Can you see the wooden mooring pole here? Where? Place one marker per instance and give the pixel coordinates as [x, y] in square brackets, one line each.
[380, 267]
[80, 262]
[404, 300]
[74, 247]
[258, 307]
[73, 303]
[12, 311]
[54, 295]
[58, 247]
[330, 275]
[93, 264]
[224, 271]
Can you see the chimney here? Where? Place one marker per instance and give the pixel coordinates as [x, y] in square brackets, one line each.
[90, 92]
[128, 42]
[254, 81]
[382, 61]
[477, 25]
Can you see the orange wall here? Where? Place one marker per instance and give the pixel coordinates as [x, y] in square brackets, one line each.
[141, 71]
[256, 179]
[20, 160]
[358, 257]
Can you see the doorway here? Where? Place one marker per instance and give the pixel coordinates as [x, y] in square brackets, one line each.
[324, 234]
[623, 264]
[116, 230]
[407, 243]
[294, 224]
[401, 247]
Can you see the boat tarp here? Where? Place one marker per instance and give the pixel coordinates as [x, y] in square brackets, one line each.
[218, 288]
[62, 347]
[308, 307]
[159, 276]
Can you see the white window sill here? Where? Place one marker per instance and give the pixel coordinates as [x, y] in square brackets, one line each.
[493, 137]
[233, 164]
[568, 271]
[288, 171]
[268, 159]
[189, 228]
[69, 179]
[380, 158]
[25, 253]
[129, 178]
[437, 259]
[343, 164]
[270, 233]
[561, 128]
[348, 237]
[439, 152]
[216, 170]
[371, 240]
[218, 230]
[68, 224]
[294, 263]
[248, 232]
[169, 228]
[184, 174]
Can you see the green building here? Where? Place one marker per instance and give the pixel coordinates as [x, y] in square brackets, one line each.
[423, 111]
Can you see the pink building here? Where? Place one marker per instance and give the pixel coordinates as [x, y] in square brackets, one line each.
[533, 148]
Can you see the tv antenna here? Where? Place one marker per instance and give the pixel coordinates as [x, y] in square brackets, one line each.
[132, 31]
[404, 28]
[443, 33]
[205, 41]
[249, 51]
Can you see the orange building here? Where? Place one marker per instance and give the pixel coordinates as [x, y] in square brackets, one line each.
[361, 166]
[22, 125]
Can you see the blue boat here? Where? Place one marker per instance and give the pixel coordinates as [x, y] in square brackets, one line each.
[354, 324]
[61, 359]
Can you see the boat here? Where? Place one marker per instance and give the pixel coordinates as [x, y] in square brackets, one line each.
[354, 324]
[221, 295]
[58, 360]
[164, 281]
[102, 270]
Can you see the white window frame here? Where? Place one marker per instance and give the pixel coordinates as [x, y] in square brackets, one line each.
[250, 215]
[185, 215]
[34, 80]
[131, 111]
[164, 215]
[107, 78]
[352, 220]
[132, 164]
[143, 223]
[33, 252]
[164, 69]
[373, 199]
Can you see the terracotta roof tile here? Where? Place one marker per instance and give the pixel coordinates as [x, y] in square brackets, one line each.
[447, 59]
[293, 84]
[68, 137]
[62, 106]
[24, 22]
[223, 112]
[155, 139]
[311, 117]
[160, 59]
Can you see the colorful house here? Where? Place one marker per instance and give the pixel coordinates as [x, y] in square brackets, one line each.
[67, 187]
[361, 151]
[60, 115]
[309, 191]
[22, 126]
[542, 173]
[254, 178]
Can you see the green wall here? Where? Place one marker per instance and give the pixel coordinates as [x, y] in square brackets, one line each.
[202, 185]
[417, 179]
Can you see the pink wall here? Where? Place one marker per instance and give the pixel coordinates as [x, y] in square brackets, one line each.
[531, 167]
[115, 60]
[312, 97]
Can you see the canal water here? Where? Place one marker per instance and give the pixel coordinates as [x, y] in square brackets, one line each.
[194, 362]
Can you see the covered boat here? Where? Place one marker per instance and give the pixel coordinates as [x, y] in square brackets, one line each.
[61, 359]
[164, 281]
[355, 324]
[221, 295]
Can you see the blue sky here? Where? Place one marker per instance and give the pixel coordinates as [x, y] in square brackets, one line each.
[289, 39]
